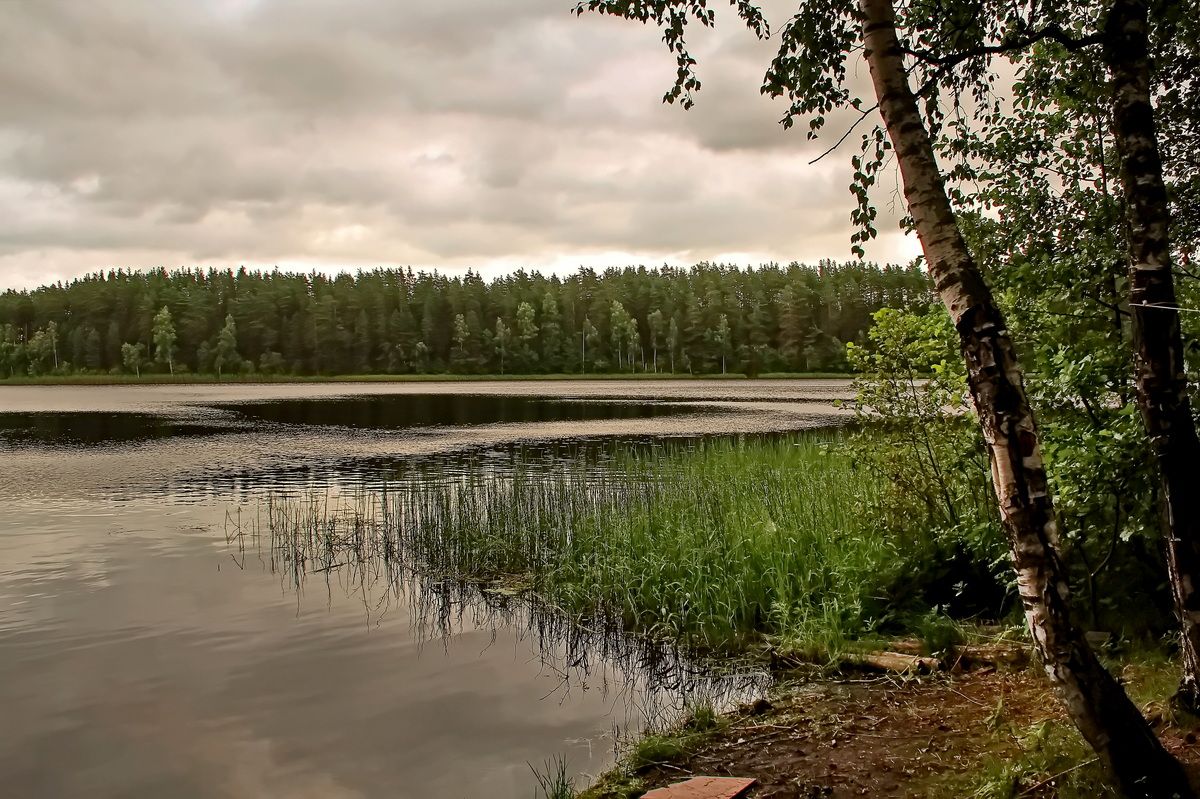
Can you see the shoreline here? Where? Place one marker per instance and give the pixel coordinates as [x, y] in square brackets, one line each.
[988, 733]
[201, 379]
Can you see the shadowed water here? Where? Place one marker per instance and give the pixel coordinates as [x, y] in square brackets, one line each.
[153, 641]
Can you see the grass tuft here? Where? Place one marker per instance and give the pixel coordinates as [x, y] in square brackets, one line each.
[553, 781]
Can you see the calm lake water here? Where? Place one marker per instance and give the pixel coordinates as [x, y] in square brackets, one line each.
[149, 647]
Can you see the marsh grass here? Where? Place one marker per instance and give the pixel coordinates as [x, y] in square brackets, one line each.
[699, 724]
[717, 546]
[553, 780]
[379, 548]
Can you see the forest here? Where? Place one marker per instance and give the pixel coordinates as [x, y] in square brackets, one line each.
[711, 318]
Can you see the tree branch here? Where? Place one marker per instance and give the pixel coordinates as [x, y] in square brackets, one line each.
[844, 136]
[1052, 31]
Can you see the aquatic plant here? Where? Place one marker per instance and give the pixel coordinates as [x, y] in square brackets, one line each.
[554, 782]
[715, 545]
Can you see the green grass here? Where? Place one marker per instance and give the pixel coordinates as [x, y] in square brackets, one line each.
[700, 722]
[1047, 758]
[717, 546]
[699, 725]
[1051, 758]
[161, 379]
[553, 781]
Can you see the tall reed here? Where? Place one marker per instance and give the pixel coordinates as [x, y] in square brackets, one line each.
[715, 545]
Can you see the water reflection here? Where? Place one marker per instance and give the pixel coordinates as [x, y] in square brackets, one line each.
[405, 411]
[355, 547]
[348, 474]
[59, 429]
[145, 654]
[376, 412]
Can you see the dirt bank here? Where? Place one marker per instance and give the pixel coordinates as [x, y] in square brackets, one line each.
[984, 734]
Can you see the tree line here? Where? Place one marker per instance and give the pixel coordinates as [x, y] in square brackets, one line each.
[711, 318]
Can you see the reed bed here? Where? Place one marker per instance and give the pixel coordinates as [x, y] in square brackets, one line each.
[714, 546]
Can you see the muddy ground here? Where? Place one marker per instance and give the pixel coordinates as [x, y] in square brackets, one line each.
[989, 733]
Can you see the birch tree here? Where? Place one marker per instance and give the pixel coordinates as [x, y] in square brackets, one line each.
[226, 351]
[164, 339]
[810, 70]
[673, 341]
[1120, 35]
[132, 356]
[526, 335]
[551, 332]
[618, 324]
[40, 349]
[1159, 360]
[655, 322]
[502, 336]
[588, 334]
[52, 335]
[721, 338]
[633, 342]
[462, 334]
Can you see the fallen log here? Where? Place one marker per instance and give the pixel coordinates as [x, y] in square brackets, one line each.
[906, 656]
[974, 656]
[892, 661]
[908, 646]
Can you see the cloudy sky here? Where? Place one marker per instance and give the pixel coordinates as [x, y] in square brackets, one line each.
[444, 134]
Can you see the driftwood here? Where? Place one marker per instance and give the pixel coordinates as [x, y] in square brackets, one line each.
[909, 646]
[906, 657]
[892, 661]
[969, 657]
[972, 656]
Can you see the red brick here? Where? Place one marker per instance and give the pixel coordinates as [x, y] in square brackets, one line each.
[703, 788]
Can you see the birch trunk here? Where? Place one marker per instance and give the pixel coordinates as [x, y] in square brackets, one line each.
[1158, 346]
[1096, 702]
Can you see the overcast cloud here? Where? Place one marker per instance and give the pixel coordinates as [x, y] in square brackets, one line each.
[438, 134]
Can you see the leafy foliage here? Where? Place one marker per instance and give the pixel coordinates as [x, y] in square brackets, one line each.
[918, 437]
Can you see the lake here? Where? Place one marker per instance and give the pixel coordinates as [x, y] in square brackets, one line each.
[153, 642]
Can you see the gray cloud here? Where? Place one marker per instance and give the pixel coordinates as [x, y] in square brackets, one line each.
[459, 133]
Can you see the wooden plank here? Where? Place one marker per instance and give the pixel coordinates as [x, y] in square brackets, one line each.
[704, 788]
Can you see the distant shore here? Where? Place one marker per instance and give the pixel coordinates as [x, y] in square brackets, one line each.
[186, 379]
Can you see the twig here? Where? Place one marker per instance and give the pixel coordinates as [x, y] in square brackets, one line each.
[656, 764]
[969, 699]
[838, 143]
[783, 727]
[1051, 779]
